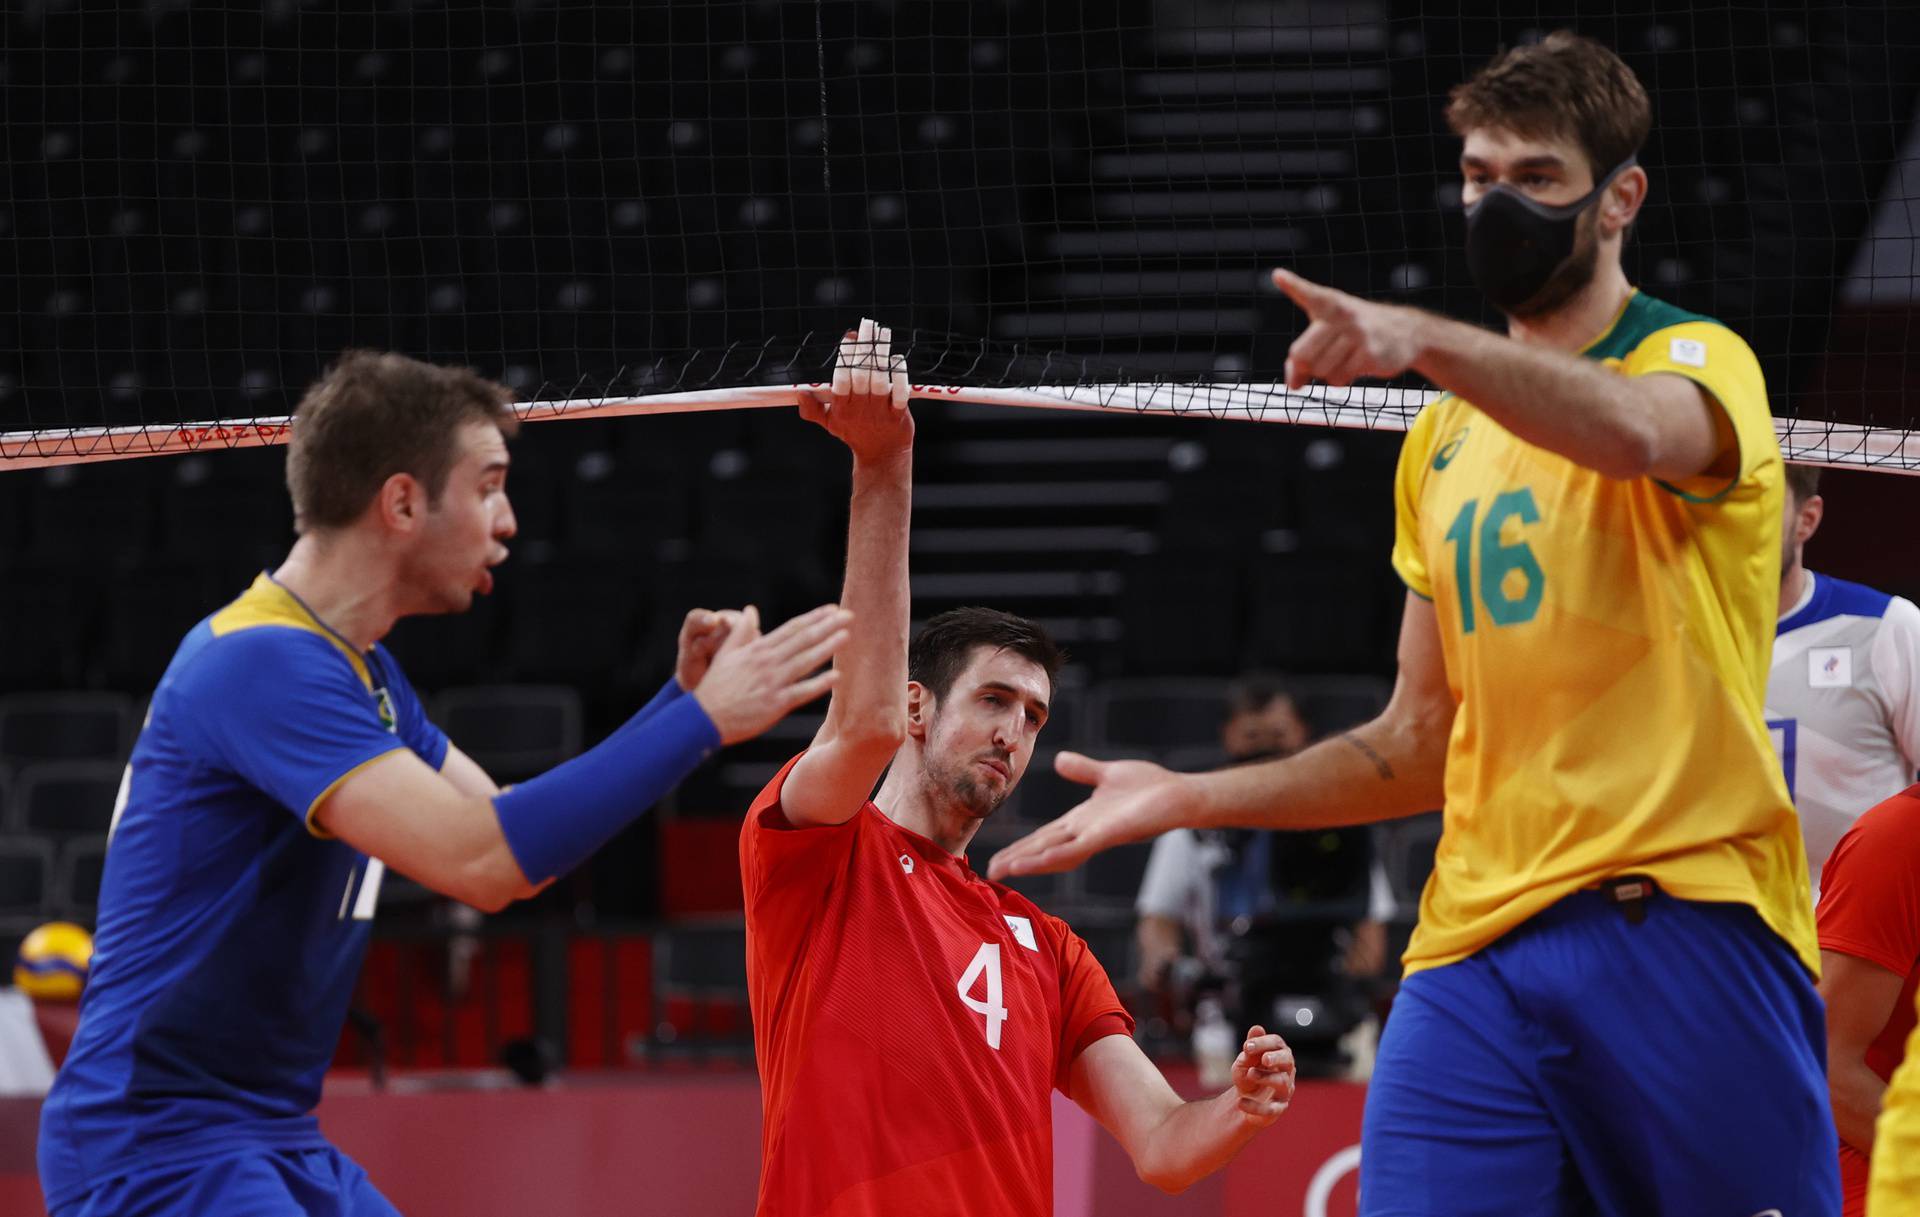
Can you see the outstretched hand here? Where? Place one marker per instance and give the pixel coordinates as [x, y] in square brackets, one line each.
[1263, 1074]
[868, 410]
[1347, 338]
[701, 636]
[756, 680]
[1131, 800]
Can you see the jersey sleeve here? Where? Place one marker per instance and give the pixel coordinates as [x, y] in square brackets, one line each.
[786, 869]
[1870, 889]
[1089, 1008]
[1719, 361]
[284, 710]
[1896, 662]
[410, 716]
[1416, 456]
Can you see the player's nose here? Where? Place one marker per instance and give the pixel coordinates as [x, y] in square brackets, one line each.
[507, 524]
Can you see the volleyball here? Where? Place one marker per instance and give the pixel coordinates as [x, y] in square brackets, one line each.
[53, 962]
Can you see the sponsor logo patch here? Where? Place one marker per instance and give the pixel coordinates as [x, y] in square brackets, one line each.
[1689, 351]
[1830, 667]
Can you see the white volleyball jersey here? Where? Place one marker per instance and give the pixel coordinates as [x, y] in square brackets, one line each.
[1843, 706]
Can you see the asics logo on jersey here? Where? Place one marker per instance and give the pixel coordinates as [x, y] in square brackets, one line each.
[1769, 1213]
[1450, 449]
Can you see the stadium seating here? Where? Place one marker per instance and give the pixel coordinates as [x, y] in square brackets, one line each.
[77, 881]
[26, 882]
[700, 988]
[65, 726]
[512, 731]
[61, 799]
[1156, 714]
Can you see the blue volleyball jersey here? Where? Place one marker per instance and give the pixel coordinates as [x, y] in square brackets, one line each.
[231, 928]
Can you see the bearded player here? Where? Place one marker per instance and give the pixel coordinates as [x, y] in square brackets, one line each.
[1609, 1001]
[911, 1018]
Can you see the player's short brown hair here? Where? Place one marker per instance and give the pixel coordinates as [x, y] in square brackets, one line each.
[373, 415]
[1803, 482]
[1563, 87]
[945, 644]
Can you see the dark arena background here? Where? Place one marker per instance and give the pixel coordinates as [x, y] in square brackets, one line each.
[651, 221]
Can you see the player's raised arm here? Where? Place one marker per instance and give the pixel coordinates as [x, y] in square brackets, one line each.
[1663, 425]
[438, 829]
[1392, 766]
[866, 718]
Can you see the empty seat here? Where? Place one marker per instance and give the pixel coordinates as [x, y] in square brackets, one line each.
[512, 731]
[65, 726]
[82, 862]
[26, 878]
[1157, 714]
[59, 799]
[700, 986]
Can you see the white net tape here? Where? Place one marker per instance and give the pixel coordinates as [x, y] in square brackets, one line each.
[1812, 442]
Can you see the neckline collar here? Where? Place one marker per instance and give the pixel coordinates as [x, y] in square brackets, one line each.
[312, 616]
[1810, 605]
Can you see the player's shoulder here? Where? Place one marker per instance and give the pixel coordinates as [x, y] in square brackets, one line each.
[1651, 327]
[1843, 598]
[241, 646]
[1887, 830]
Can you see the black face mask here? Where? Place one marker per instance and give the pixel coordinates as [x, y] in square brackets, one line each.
[1515, 245]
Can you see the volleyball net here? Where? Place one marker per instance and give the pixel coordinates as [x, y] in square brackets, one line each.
[669, 207]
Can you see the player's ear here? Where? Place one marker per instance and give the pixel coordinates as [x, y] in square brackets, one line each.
[919, 709]
[1811, 513]
[1624, 199]
[401, 501]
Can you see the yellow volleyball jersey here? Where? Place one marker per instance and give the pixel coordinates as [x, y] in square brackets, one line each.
[1607, 643]
[1893, 1182]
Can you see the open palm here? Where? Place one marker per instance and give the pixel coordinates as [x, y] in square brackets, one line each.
[1131, 800]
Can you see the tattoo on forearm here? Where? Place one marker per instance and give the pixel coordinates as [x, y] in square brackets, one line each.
[1379, 762]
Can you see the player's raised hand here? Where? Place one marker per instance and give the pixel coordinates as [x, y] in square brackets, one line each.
[1263, 1074]
[756, 679]
[1131, 800]
[701, 635]
[1347, 338]
[868, 409]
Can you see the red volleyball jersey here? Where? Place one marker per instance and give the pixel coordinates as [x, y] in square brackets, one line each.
[911, 1021]
[1870, 909]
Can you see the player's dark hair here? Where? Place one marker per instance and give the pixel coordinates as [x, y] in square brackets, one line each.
[1255, 691]
[945, 645]
[1803, 482]
[373, 415]
[1564, 86]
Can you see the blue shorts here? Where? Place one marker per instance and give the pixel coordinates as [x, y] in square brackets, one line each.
[1584, 1064]
[256, 1183]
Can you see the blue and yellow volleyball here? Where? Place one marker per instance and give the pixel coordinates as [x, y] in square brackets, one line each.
[53, 962]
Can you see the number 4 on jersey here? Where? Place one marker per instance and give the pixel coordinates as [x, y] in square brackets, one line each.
[985, 966]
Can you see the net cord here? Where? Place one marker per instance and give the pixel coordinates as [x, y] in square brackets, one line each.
[1812, 442]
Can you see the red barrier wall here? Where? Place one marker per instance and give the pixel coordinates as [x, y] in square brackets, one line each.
[688, 1146]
